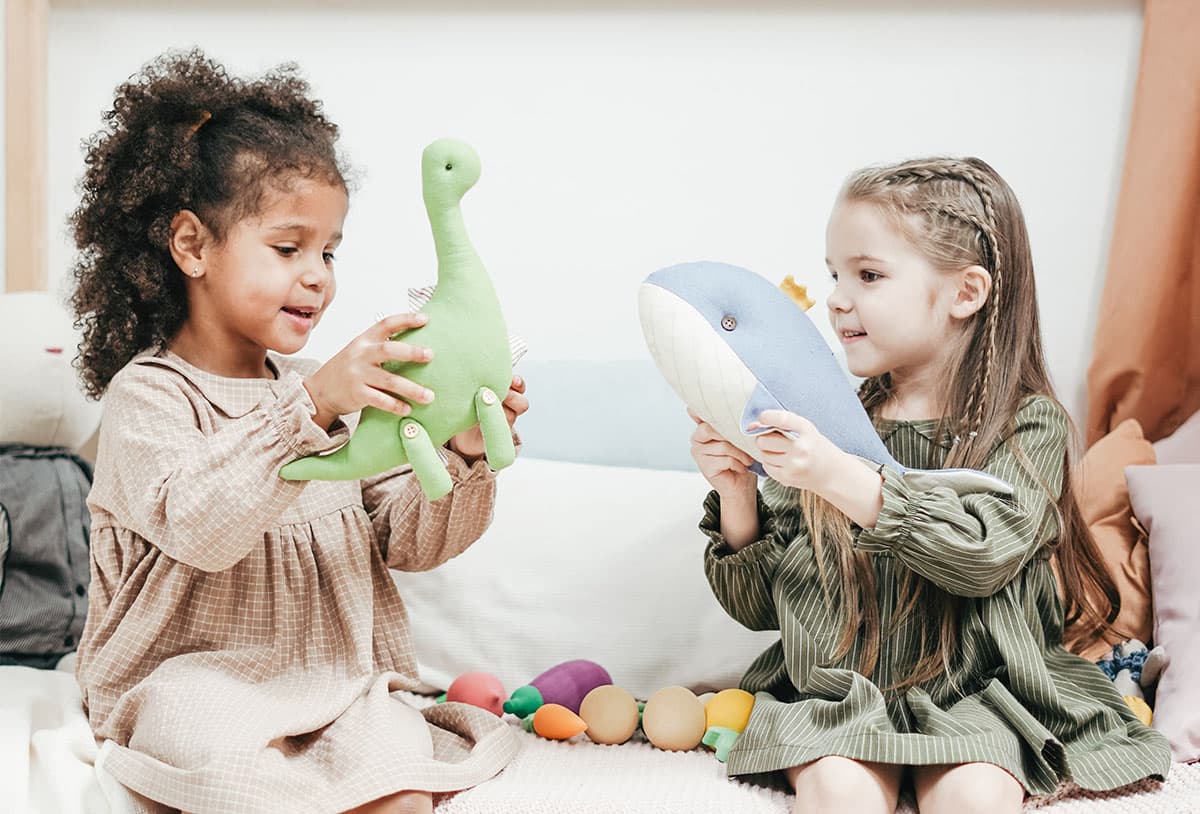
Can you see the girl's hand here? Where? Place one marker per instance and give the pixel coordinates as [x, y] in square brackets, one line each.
[469, 444]
[353, 379]
[723, 465]
[801, 456]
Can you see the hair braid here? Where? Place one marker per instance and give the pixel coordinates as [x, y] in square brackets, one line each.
[958, 213]
[943, 169]
[990, 253]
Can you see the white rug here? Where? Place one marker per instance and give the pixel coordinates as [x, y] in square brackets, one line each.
[47, 766]
[580, 777]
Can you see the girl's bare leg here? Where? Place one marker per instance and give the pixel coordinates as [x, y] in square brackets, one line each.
[837, 784]
[404, 802]
[967, 788]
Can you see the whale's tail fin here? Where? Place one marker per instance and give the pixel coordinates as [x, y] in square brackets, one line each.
[962, 481]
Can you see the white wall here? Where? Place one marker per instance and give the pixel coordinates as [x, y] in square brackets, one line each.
[618, 141]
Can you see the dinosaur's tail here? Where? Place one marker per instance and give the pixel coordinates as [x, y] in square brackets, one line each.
[374, 448]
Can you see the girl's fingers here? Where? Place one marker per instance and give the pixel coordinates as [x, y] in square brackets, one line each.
[784, 420]
[516, 403]
[518, 384]
[390, 351]
[715, 446]
[722, 448]
[705, 432]
[399, 386]
[727, 452]
[387, 402]
[730, 451]
[773, 442]
[386, 327]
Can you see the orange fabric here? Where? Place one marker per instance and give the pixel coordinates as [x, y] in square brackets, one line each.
[1104, 501]
[1146, 355]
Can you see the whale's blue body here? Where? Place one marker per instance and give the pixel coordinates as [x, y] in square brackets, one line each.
[732, 345]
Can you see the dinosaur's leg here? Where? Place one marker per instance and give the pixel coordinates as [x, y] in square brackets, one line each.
[426, 464]
[497, 435]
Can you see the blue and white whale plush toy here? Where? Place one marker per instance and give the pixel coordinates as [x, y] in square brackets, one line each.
[731, 345]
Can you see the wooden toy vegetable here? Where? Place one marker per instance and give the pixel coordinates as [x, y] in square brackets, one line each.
[565, 684]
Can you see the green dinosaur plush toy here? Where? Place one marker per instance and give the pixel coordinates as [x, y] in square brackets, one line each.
[472, 363]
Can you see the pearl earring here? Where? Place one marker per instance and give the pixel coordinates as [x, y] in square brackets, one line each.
[195, 271]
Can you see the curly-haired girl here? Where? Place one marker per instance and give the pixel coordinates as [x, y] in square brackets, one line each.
[244, 639]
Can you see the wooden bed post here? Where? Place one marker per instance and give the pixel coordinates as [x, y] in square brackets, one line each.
[25, 144]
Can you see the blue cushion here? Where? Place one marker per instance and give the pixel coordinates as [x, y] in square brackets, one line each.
[613, 412]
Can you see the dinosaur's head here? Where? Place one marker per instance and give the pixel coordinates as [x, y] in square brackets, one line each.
[448, 169]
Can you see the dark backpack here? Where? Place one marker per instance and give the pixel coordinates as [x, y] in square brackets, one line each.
[44, 554]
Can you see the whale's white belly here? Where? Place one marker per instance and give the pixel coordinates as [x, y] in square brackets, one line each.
[697, 362]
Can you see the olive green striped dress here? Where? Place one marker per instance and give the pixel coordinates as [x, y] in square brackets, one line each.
[1014, 697]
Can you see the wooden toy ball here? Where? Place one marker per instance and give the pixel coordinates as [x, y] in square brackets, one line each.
[611, 714]
[674, 719]
[729, 708]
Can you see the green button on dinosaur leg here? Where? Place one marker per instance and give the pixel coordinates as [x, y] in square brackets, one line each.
[427, 465]
[497, 435]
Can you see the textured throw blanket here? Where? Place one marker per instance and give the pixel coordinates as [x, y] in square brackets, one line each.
[47, 766]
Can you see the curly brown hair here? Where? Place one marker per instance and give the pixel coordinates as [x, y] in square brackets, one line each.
[181, 134]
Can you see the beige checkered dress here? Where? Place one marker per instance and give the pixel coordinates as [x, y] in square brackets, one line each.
[1013, 697]
[244, 639]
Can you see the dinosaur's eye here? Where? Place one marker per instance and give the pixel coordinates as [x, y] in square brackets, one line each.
[728, 323]
[449, 167]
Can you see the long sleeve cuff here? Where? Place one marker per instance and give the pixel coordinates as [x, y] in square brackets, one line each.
[901, 508]
[718, 548]
[291, 417]
[463, 472]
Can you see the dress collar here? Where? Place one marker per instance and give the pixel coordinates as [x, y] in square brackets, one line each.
[924, 427]
[235, 397]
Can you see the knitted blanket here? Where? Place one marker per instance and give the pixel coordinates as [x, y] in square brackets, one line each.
[549, 777]
[47, 758]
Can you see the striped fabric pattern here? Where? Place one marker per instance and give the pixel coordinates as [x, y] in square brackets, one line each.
[1013, 695]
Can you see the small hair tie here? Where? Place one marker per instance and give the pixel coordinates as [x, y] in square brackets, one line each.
[204, 116]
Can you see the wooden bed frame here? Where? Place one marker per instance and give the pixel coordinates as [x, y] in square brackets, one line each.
[25, 144]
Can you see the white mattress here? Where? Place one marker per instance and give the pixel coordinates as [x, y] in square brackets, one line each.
[47, 766]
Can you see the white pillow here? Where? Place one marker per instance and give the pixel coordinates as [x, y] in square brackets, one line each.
[582, 561]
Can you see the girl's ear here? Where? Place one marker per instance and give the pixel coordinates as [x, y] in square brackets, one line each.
[974, 286]
[189, 237]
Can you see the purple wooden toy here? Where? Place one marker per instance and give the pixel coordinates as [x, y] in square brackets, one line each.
[565, 684]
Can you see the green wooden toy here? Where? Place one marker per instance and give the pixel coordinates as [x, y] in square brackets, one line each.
[472, 362]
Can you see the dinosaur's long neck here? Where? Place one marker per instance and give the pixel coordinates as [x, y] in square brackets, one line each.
[458, 265]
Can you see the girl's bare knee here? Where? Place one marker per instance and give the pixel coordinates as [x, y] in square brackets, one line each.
[404, 802]
[972, 788]
[836, 783]
[414, 802]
